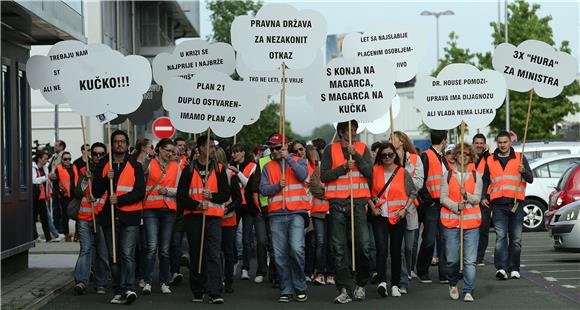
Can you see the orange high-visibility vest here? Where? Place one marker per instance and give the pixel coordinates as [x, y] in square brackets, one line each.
[471, 213]
[395, 197]
[229, 219]
[153, 199]
[339, 188]
[296, 196]
[125, 184]
[434, 175]
[182, 162]
[64, 180]
[196, 192]
[248, 171]
[319, 205]
[481, 166]
[506, 182]
[86, 208]
[42, 188]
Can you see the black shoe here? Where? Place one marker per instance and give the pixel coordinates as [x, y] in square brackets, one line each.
[424, 279]
[301, 296]
[375, 278]
[197, 297]
[229, 289]
[284, 298]
[130, 297]
[79, 289]
[216, 299]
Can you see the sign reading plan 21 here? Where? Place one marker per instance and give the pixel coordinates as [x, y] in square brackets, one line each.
[279, 33]
[460, 92]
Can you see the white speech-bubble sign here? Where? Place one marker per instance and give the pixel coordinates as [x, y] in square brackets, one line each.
[43, 72]
[381, 124]
[213, 100]
[460, 92]
[269, 82]
[353, 88]
[279, 33]
[105, 82]
[192, 56]
[535, 64]
[401, 44]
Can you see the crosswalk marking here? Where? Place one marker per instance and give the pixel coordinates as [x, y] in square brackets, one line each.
[568, 286]
[550, 279]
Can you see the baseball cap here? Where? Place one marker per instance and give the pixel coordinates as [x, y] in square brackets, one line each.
[278, 138]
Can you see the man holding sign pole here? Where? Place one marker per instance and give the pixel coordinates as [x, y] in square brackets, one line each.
[335, 167]
[129, 185]
[202, 192]
[507, 176]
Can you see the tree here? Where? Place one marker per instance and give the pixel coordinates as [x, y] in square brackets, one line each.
[524, 24]
[268, 124]
[325, 132]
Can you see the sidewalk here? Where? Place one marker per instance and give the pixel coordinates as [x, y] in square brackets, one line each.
[50, 273]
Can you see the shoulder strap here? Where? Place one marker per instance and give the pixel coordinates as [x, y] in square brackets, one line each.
[163, 171]
[389, 181]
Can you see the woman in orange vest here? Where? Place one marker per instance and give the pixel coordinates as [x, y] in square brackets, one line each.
[460, 208]
[393, 191]
[248, 176]
[316, 241]
[67, 177]
[410, 160]
[41, 194]
[159, 213]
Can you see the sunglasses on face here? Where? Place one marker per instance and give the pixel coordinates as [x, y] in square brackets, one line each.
[387, 155]
[276, 148]
[66, 159]
[98, 154]
[300, 149]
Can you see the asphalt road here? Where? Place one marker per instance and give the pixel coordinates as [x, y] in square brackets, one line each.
[551, 280]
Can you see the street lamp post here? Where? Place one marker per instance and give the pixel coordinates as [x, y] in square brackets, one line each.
[436, 15]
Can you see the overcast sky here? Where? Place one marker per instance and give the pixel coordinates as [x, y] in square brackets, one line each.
[470, 22]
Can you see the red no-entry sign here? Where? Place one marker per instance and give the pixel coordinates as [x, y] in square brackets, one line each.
[162, 128]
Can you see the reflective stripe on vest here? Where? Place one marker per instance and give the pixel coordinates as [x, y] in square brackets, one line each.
[394, 197]
[434, 175]
[153, 199]
[42, 188]
[505, 182]
[64, 180]
[339, 188]
[125, 185]
[295, 192]
[471, 214]
[248, 171]
[196, 191]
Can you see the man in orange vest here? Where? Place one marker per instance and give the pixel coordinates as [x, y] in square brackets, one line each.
[481, 151]
[127, 197]
[204, 192]
[434, 166]
[288, 205]
[507, 173]
[335, 167]
[66, 178]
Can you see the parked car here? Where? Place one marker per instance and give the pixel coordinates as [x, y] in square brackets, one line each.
[567, 190]
[548, 149]
[565, 228]
[547, 172]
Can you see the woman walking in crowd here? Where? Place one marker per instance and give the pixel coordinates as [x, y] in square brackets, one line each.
[67, 177]
[460, 211]
[41, 194]
[159, 213]
[394, 192]
[412, 163]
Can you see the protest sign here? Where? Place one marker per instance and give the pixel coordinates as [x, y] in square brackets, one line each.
[535, 65]
[460, 92]
[192, 56]
[105, 82]
[43, 72]
[213, 100]
[279, 33]
[353, 88]
[401, 44]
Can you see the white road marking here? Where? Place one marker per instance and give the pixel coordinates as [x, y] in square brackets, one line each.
[568, 286]
[560, 271]
[550, 279]
[568, 278]
[534, 271]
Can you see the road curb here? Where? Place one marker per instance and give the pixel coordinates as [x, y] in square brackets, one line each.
[43, 300]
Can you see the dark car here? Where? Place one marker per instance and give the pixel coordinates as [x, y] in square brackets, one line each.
[566, 191]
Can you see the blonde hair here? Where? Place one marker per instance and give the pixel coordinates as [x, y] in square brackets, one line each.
[220, 156]
[466, 147]
[407, 144]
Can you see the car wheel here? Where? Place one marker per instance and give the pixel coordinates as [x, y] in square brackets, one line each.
[533, 215]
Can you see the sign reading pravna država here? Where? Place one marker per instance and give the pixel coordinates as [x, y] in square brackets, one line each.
[192, 56]
[269, 82]
[279, 33]
[460, 92]
[535, 64]
[105, 82]
[210, 99]
[353, 88]
[43, 72]
[401, 44]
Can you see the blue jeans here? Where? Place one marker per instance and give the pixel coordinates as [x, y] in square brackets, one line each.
[89, 244]
[470, 241]
[175, 251]
[158, 230]
[51, 226]
[123, 271]
[508, 244]
[249, 222]
[288, 242]
[409, 253]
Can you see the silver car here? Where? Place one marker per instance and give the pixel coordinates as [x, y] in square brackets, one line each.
[565, 228]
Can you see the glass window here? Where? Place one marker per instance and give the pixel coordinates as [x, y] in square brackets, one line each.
[564, 178]
[24, 144]
[6, 132]
[558, 167]
[553, 153]
[542, 172]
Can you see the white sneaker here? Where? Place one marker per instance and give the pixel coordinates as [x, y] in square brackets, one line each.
[60, 238]
[501, 274]
[259, 279]
[359, 293]
[453, 292]
[413, 274]
[141, 283]
[165, 289]
[117, 300]
[514, 275]
[382, 289]
[403, 290]
[468, 297]
[395, 291]
[146, 289]
[245, 275]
